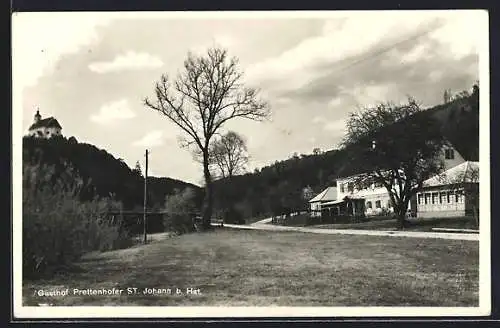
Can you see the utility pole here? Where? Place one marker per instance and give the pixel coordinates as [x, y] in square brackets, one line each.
[145, 196]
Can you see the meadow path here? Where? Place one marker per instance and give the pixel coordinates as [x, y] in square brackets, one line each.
[264, 225]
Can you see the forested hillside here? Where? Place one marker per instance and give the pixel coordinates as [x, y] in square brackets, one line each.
[279, 188]
[104, 174]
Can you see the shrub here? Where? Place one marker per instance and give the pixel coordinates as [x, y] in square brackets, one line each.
[57, 226]
[179, 209]
[233, 215]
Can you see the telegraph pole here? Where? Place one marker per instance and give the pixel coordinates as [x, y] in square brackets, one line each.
[145, 196]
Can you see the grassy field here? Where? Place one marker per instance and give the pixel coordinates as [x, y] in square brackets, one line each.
[415, 224]
[262, 268]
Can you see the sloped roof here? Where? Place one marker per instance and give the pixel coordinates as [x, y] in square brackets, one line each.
[333, 202]
[326, 195]
[462, 173]
[48, 122]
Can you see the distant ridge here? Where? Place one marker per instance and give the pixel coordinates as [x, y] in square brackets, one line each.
[255, 194]
[105, 174]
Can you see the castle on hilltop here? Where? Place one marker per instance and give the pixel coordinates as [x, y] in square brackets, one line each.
[44, 128]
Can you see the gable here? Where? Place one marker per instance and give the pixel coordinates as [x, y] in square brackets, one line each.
[328, 194]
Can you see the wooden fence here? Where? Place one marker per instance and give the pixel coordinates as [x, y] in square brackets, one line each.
[133, 221]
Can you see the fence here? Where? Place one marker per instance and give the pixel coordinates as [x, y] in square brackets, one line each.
[133, 221]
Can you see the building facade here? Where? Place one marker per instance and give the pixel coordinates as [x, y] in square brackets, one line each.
[375, 197]
[316, 203]
[44, 128]
[454, 193]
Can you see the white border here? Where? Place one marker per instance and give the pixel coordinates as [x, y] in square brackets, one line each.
[76, 312]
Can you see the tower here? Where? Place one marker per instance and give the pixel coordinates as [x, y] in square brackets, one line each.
[38, 117]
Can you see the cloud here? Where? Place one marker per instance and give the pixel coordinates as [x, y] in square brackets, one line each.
[111, 112]
[129, 61]
[336, 126]
[335, 43]
[151, 139]
[461, 32]
[39, 40]
[335, 102]
[389, 47]
[221, 40]
[318, 119]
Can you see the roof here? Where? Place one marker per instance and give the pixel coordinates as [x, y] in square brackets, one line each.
[343, 200]
[333, 202]
[462, 173]
[326, 195]
[48, 122]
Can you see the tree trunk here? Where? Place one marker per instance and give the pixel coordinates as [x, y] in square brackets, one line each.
[401, 220]
[208, 201]
[475, 213]
[400, 210]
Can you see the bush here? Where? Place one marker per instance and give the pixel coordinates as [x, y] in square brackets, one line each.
[180, 208]
[233, 216]
[57, 226]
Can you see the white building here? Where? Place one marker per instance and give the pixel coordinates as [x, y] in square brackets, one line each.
[327, 195]
[374, 199]
[44, 128]
[454, 193]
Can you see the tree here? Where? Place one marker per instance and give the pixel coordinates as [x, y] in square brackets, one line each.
[137, 170]
[180, 207]
[307, 193]
[204, 96]
[229, 154]
[398, 146]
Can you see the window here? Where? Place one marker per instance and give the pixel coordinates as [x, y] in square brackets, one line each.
[450, 197]
[378, 185]
[389, 203]
[350, 187]
[420, 199]
[368, 204]
[459, 198]
[377, 204]
[443, 198]
[435, 196]
[449, 154]
[342, 187]
[427, 198]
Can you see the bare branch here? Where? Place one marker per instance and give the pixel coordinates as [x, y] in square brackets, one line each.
[204, 96]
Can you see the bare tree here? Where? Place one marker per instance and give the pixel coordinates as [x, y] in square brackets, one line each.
[204, 96]
[397, 146]
[229, 154]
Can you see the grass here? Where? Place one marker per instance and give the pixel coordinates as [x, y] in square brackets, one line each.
[262, 268]
[415, 224]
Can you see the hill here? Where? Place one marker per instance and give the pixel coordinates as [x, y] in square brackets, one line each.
[104, 174]
[278, 188]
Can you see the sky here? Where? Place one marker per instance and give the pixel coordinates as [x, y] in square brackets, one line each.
[91, 71]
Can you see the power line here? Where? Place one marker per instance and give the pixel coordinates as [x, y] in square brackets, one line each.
[434, 26]
[389, 48]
